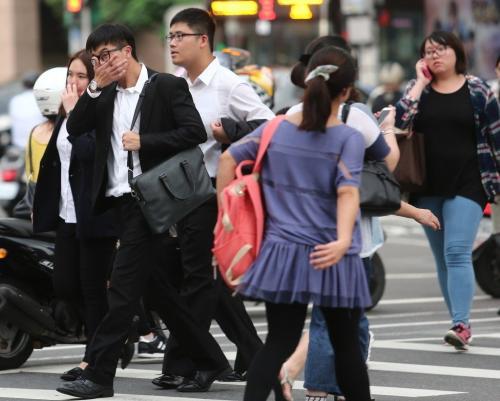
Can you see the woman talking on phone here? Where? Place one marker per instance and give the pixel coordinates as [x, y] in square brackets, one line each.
[459, 118]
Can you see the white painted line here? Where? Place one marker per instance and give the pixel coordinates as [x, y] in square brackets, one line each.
[413, 346]
[384, 390]
[52, 395]
[429, 323]
[372, 315]
[391, 240]
[486, 335]
[435, 370]
[406, 301]
[410, 276]
[409, 392]
[60, 348]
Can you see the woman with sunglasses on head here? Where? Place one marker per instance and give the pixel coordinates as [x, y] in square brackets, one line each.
[84, 243]
[310, 251]
[459, 118]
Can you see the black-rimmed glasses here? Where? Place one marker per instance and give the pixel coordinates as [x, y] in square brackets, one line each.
[104, 56]
[178, 36]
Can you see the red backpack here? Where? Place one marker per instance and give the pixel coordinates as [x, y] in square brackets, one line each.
[240, 222]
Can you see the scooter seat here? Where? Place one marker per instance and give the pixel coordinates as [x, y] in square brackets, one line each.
[22, 229]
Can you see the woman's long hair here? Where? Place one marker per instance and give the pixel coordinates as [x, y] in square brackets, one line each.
[320, 92]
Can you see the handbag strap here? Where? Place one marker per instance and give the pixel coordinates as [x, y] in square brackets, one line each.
[346, 108]
[265, 140]
[130, 161]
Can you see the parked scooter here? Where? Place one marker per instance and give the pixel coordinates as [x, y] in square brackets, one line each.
[30, 315]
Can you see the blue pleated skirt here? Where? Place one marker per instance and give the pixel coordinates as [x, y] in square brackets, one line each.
[282, 274]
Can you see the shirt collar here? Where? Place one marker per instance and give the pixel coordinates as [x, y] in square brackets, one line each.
[143, 77]
[207, 75]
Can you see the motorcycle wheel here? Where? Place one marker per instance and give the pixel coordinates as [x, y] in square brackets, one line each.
[487, 272]
[15, 346]
[376, 280]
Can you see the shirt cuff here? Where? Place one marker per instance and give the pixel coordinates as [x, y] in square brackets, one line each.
[93, 95]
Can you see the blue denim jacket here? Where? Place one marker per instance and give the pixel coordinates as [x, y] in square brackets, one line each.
[487, 128]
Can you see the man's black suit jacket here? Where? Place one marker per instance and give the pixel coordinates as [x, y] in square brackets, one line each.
[169, 123]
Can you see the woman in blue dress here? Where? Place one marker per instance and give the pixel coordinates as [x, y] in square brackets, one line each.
[310, 252]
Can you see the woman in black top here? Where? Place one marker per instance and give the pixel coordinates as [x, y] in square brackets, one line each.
[84, 243]
[458, 116]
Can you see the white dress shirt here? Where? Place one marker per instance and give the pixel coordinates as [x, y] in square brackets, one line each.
[123, 112]
[66, 204]
[218, 92]
[24, 115]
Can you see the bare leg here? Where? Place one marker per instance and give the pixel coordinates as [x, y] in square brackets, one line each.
[293, 366]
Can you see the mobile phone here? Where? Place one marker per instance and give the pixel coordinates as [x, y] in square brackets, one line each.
[427, 73]
[383, 114]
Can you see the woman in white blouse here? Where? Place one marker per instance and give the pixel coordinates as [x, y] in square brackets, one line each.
[84, 243]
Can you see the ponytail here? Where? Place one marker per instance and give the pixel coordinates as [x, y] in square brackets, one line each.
[331, 70]
[317, 105]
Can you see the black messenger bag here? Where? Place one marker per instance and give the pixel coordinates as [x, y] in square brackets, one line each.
[172, 189]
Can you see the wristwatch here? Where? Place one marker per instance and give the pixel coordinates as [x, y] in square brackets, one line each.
[93, 86]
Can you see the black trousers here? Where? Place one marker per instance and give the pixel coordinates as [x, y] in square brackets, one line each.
[285, 324]
[207, 297]
[81, 270]
[134, 263]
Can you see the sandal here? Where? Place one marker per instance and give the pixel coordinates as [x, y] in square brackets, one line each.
[286, 381]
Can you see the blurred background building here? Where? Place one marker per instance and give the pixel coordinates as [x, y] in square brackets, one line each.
[37, 34]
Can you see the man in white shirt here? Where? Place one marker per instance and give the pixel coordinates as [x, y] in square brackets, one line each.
[229, 109]
[168, 124]
[24, 112]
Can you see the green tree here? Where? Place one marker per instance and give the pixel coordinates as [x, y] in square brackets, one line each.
[137, 14]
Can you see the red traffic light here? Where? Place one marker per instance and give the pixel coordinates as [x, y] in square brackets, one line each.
[74, 6]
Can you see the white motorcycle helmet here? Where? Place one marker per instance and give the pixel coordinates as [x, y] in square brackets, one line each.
[48, 89]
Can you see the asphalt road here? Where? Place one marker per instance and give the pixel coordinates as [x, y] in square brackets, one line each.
[408, 359]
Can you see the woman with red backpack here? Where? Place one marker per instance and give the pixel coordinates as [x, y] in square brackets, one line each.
[310, 251]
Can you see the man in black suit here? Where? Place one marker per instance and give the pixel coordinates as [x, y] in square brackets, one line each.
[168, 123]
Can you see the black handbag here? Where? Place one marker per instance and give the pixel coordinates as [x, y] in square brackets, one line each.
[172, 189]
[379, 192]
[24, 208]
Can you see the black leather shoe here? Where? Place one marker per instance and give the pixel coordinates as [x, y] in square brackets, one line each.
[168, 381]
[234, 376]
[201, 381]
[72, 374]
[86, 389]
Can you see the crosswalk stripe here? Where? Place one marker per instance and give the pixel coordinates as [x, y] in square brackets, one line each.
[430, 323]
[434, 370]
[395, 301]
[52, 395]
[412, 346]
[298, 385]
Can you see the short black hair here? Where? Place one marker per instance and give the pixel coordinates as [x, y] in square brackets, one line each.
[448, 39]
[200, 21]
[116, 34]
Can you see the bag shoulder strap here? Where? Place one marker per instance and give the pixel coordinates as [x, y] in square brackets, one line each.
[346, 108]
[265, 140]
[130, 163]
[30, 153]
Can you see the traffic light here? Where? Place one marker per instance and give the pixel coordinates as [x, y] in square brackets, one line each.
[74, 6]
